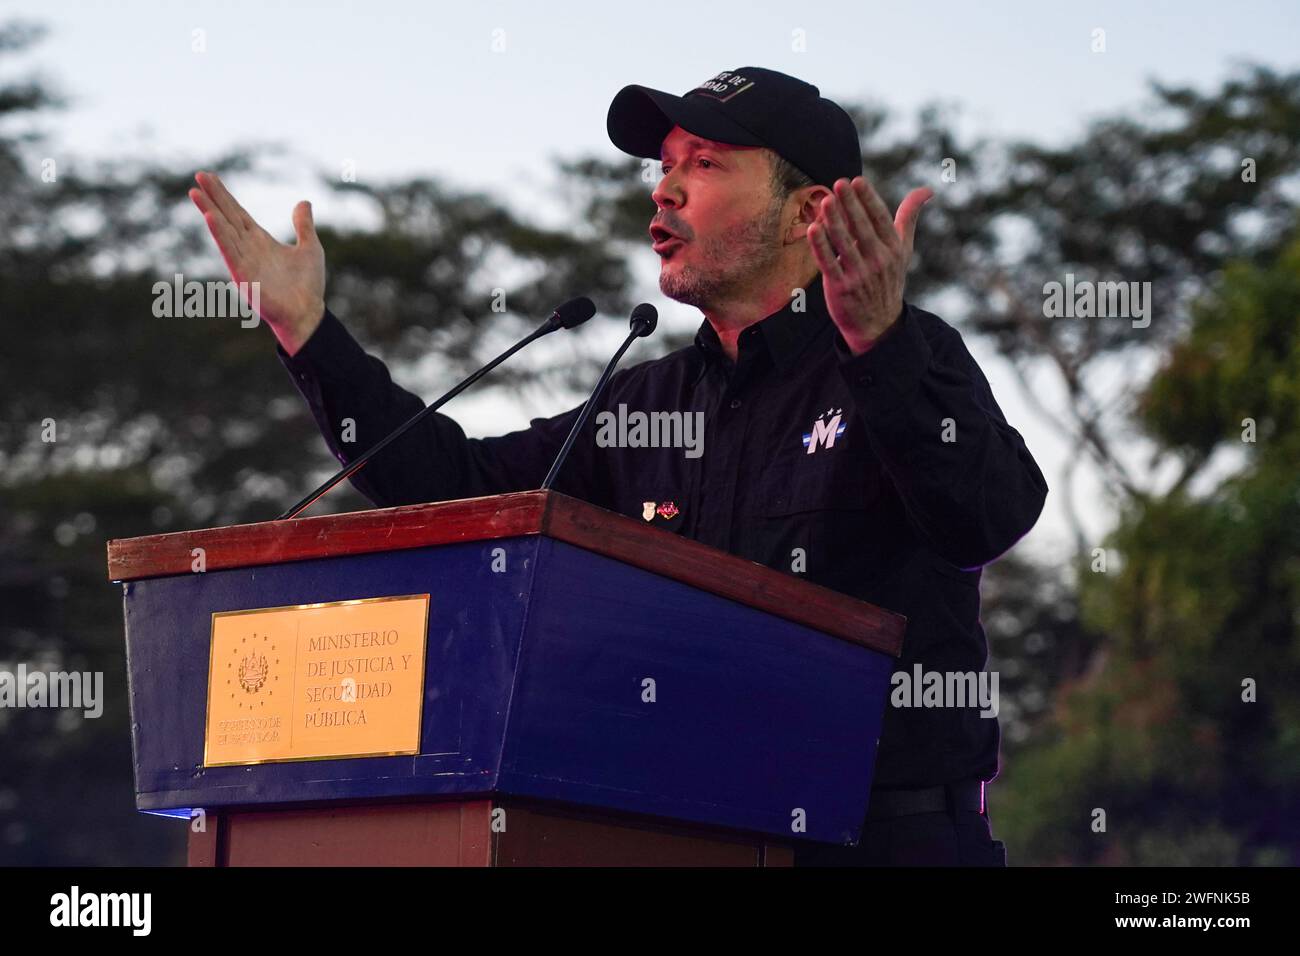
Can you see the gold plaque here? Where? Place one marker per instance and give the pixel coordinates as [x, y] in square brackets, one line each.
[316, 681]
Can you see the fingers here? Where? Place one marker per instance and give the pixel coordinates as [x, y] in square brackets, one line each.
[854, 234]
[211, 214]
[882, 223]
[227, 242]
[226, 237]
[862, 227]
[856, 212]
[909, 213]
[216, 191]
[842, 236]
[201, 200]
[304, 224]
[824, 253]
[859, 226]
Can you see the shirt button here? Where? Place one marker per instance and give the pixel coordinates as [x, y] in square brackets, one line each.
[866, 379]
[735, 403]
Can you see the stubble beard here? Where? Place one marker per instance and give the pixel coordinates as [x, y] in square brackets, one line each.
[727, 263]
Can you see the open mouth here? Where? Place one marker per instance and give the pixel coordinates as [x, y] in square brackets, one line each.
[663, 239]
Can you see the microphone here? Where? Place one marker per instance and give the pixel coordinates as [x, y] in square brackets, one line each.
[568, 316]
[644, 319]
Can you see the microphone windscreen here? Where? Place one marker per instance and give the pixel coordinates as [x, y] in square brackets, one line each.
[574, 312]
[646, 316]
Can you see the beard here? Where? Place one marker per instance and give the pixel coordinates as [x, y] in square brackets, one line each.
[727, 263]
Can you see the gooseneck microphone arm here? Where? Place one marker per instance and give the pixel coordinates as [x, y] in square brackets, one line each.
[573, 313]
[644, 319]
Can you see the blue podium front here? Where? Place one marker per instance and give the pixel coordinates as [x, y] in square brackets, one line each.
[551, 671]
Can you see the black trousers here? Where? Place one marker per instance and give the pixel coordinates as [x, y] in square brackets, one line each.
[959, 838]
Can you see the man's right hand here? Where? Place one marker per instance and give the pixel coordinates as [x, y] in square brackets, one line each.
[291, 279]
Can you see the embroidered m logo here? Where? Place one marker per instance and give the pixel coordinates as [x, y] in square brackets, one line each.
[824, 432]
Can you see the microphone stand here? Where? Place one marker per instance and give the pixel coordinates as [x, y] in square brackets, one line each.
[561, 318]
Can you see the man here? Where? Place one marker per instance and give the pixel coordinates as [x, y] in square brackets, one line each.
[849, 437]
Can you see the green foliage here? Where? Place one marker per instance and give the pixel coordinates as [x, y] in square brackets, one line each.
[1241, 361]
[1204, 608]
[164, 424]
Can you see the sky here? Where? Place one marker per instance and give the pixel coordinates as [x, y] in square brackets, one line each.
[486, 95]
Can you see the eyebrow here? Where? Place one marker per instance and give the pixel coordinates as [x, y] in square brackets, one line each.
[693, 144]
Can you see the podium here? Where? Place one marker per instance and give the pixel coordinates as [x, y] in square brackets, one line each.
[516, 680]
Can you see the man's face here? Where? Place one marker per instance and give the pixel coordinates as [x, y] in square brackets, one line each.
[716, 201]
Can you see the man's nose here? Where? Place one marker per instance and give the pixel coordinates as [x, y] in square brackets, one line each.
[666, 193]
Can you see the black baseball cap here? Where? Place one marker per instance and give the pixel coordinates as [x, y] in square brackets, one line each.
[750, 106]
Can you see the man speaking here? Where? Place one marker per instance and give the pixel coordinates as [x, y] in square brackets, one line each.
[848, 436]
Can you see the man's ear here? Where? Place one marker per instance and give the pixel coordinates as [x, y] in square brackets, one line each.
[808, 203]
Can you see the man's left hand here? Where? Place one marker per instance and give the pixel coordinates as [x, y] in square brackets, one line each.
[863, 258]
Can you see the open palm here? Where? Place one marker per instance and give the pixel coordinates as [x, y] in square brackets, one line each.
[290, 278]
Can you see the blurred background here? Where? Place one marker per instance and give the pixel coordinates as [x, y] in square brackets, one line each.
[1146, 633]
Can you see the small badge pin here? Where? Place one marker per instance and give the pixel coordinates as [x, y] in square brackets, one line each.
[648, 510]
[667, 511]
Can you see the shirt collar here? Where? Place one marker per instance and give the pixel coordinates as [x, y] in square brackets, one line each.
[786, 334]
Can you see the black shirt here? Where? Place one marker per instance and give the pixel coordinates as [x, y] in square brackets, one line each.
[891, 476]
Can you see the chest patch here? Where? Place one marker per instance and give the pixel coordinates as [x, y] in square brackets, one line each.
[828, 427]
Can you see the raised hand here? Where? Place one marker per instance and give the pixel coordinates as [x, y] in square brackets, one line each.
[291, 279]
[863, 257]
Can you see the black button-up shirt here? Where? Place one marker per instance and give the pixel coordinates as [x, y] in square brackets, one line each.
[891, 476]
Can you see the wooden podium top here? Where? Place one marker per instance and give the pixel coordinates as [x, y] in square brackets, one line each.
[506, 516]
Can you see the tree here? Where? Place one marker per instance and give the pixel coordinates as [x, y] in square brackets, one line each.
[162, 424]
[1184, 731]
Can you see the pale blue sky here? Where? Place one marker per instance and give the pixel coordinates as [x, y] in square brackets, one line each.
[407, 88]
